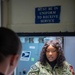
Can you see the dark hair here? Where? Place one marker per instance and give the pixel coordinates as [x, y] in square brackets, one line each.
[9, 43]
[57, 45]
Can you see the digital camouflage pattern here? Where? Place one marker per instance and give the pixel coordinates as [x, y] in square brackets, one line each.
[38, 69]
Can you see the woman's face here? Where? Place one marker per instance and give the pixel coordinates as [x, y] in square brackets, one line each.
[51, 53]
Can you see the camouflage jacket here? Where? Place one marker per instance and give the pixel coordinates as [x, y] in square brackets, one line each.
[38, 69]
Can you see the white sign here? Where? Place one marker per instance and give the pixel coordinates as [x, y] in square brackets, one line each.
[25, 56]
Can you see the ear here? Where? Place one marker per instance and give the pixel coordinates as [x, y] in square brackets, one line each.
[14, 59]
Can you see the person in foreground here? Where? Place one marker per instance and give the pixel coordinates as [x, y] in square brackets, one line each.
[10, 50]
[52, 61]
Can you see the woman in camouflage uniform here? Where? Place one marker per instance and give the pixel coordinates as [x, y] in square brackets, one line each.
[52, 61]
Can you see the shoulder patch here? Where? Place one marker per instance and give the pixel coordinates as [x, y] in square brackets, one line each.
[72, 70]
[34, 67]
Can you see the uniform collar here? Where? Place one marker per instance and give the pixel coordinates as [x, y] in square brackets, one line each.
[48, 66]
[53, 63]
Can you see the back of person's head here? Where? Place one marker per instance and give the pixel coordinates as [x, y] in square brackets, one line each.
[9, 44]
